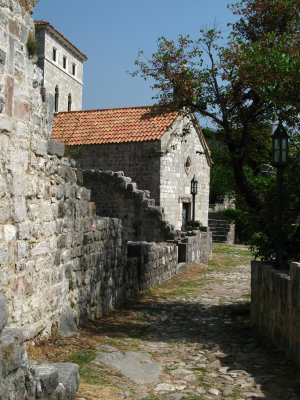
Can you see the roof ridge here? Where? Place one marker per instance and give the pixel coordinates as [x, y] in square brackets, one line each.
[107, 109]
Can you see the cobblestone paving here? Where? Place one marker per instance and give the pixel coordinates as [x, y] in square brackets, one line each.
[196, 327]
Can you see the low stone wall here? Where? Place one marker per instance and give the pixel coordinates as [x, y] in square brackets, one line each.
[155, 262]
[116, 196]
[275, 306]
[194, 247]
[24, 379]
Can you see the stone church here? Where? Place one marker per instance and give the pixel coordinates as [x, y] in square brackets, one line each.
[149, 148]
[160, 152]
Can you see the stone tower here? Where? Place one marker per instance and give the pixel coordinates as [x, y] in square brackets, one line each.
[62, 66]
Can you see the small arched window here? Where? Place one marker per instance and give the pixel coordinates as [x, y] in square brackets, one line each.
[187, 165]
[56, 96]
[69, 102]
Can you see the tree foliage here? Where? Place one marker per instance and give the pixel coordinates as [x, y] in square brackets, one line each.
[245, 88]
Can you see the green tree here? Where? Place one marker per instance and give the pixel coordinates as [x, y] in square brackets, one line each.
[244, 87]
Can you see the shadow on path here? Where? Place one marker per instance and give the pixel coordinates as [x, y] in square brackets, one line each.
[223, 329]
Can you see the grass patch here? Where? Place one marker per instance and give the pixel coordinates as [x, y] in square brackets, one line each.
[89, 373]
[229, 256]
[194, 398]
[82, 358]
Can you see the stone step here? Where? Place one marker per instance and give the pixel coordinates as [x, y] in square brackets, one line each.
[219, 226]
[219, 238]
[218, 221]
[218, 216]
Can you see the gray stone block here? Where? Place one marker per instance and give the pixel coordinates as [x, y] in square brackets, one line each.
[48, 377]
[3, 312]
[2, 102]
[11, 58]
[12, 344]
[68, 377]
[67, 325]
[3, 254]
[14, 386]
[56, 148]
[2, 57]
[5, 125]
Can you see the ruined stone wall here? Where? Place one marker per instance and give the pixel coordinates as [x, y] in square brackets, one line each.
[21, 378]
[275, 306]
[156, 262]
[140, 161]
[115, 195]
[55, 254]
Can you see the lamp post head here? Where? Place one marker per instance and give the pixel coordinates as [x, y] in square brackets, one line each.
[194, 186]
[280, 147]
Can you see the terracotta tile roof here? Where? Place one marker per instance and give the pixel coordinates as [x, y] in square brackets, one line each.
[114, 125]
[55, 31]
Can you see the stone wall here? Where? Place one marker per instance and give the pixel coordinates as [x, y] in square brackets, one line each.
[194, 247]
[156, 262]
[275, 306]
[140, 161]
[182, 158]
[53, 248]
[24, 379]
[115, 195]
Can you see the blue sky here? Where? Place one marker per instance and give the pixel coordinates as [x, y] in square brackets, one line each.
[110, 33]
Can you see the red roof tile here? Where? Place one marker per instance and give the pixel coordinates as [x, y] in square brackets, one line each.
[114, 125]
[50, 27]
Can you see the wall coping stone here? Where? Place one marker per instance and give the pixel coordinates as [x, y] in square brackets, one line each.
[56, 148]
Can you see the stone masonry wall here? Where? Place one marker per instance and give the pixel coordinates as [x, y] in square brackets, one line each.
[52, 246]
[175, 178]
[193, 248]
[140, 161]
[275, 306]
[115, 195]
[24, 379]
[156, 262]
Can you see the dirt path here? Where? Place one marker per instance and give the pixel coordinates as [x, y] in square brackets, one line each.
[190, 339]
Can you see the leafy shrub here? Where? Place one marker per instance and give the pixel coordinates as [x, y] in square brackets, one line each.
[31, 44]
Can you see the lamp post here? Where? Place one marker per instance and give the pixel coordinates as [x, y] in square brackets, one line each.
[194, 190]
[279, 161]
